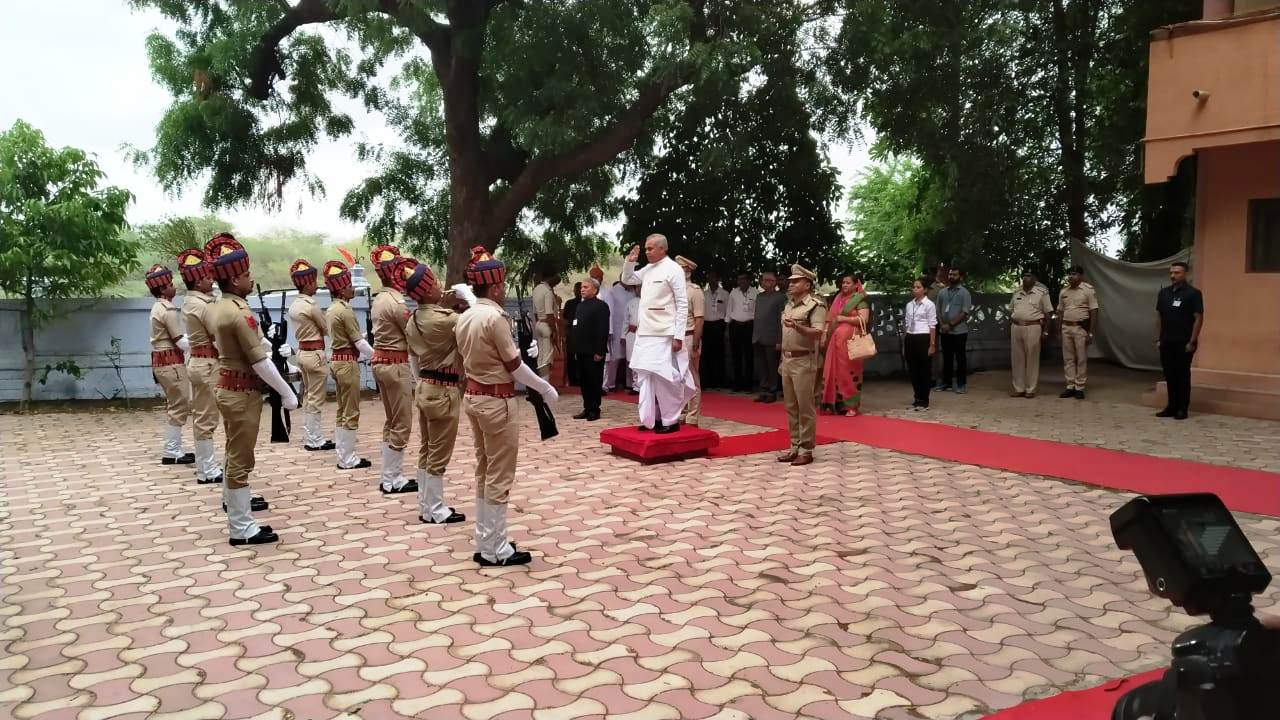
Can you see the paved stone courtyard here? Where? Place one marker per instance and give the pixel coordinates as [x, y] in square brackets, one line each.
[869, 585]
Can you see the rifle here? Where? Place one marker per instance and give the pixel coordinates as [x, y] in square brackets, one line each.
[281, 425]
[524, 338]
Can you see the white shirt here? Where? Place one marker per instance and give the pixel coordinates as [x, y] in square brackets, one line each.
[920, 317]
[742, 306]
[717, 305]
[664, 305]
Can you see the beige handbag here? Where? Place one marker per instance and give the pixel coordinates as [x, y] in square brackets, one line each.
[862, 346]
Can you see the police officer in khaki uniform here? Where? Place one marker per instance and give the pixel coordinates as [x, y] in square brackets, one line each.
[168, 345]
[202, 366]
[803, 319]
[1029, 313]
[439, 394]
[391, 369]
[349, 349]
[1078, 314]
[492, 364]
[693, 338]
[547, 314]
[243, 367]
[310, 327]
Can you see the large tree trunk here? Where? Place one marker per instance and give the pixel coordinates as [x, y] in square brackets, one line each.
[1072, 40]
[27, 321]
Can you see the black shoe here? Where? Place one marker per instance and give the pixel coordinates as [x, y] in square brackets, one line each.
[477, 557]
[642, 428]
[328, 445]
[593, 416]
[582, 415]
[519, 557]
[667, 429]
[265, 535]
[411, 486]
[633, 392]
[1180, 415]
[1069, 392]
[184, 460]
[941, 386]
[760, 398]
[210, 480]
[771, 398]
[364, 463]
[1079, 394]
[257, 503]
[1167, 412]
[454, 517]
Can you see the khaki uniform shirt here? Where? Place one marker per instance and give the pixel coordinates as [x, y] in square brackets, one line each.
[1074, 304]
[194, 306]
[235, 330]
[544, 301]
[697, 306]
[432, 339]
[485, 343]
[343, 327]
[308, 319]
[1027, 306]
[165, 325]
[390, 315]
[808, 311]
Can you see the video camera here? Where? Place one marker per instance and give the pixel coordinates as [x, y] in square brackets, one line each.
[1195, 555]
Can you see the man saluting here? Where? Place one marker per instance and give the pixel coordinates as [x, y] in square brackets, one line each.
[659, 361]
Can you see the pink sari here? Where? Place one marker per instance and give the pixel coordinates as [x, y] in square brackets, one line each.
[842, 377]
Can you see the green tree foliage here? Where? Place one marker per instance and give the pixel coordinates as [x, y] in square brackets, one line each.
[890, 213]
[60, 232]
[509, 111]
[1025, 114]
[742, 184]
[171, 236]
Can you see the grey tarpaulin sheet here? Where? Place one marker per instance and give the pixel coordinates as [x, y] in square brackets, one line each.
[1127, 301]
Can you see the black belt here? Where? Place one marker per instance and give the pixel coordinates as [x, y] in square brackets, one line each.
[446, 377]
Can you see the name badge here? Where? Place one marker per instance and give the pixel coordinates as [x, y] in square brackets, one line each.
[1177, 303]
[575, 321]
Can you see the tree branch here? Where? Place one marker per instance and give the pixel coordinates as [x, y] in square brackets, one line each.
[503, 160]
[597, 152]
[265, 67]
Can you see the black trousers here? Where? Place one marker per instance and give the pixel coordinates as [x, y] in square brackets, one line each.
[740, 347]
[767, 357]
[1176, 363]
[919, 366]
[953, 358]
[591, 371]
[713, 339]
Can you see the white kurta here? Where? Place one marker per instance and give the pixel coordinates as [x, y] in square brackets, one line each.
[666, 382]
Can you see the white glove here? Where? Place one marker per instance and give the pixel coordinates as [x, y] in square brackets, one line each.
[286, 352]
[533, 349]
[267, 371]
[464, 293]
[366, 352]
[530, 379]
[184, 345]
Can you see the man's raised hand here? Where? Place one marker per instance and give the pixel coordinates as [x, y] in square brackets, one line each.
[633, 255]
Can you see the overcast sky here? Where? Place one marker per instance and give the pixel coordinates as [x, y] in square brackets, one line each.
[77, 70]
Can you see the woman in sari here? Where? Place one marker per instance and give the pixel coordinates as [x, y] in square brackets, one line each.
[842, 378]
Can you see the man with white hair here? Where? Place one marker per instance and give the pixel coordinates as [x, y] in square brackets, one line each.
[660, 359]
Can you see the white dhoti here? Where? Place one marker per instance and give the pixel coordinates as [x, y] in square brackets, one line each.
[611, 364]
[665, 381]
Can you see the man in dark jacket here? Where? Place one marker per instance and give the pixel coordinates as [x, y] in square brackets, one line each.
[589, 343]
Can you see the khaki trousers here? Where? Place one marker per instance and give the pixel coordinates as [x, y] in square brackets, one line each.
[177, 392]
[1025, 357]
[439, 409]
[495, 425]
[692, 409]
[546, 349]
[798, 377]
[1075, 356]
[241, 415]
[315, 379]
[346, 376]
[395, 387]
[204, 405]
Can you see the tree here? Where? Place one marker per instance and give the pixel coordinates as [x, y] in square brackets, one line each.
[890, 210]
[172, 235]
[60, 233]
[508, 110]
[742, 184]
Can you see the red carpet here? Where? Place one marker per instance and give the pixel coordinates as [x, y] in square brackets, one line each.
[1242, 490]
[767, 441]
[1092, 704]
